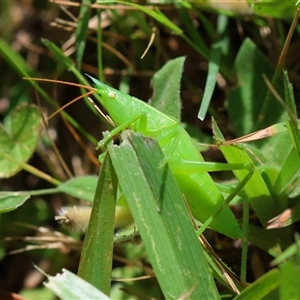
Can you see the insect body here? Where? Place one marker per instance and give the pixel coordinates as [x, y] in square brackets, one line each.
[182, 155]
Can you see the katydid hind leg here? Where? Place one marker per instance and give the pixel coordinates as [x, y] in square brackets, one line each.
[190, 167]
[228, 199]
[245, 223]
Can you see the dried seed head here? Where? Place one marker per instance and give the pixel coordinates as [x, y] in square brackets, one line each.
[74, 218]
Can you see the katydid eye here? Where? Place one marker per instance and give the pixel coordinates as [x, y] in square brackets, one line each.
[112, 95]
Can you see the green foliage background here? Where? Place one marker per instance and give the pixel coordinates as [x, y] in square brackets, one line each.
[240, 42]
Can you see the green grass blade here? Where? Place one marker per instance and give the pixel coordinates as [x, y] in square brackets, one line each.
[162, 219]
[21, 67]
[256, 189]
[15, 59]
[99, 46]
[289, 94]
[211, 80]
[97, 252]
[220, 48]
[155, 14]
[293, 123]
[82, 30]
[289, 168]
[287, 153]
[190, 28]
[69, 65]
[65, 61]
[261, 288]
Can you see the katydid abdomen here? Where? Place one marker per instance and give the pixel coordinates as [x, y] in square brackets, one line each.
[198, 188]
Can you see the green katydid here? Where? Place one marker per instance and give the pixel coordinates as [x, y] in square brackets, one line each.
[205, 200]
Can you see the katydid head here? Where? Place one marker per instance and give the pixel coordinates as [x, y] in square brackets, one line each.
[121, 107]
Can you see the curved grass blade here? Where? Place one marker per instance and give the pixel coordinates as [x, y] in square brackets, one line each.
[211, 80]
[69, 286]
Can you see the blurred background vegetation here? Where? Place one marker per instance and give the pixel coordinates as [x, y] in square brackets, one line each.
[126, 33]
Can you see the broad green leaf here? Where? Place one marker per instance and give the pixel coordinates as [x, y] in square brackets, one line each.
[249, 98]
[97, 252]
[69, 286]
[80, 187]
[256, 190]
[11, 202]
[166, 87]
[18, 138]
[162, 218]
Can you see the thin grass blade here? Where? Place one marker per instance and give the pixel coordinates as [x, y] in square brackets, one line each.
[97, 252]
[211, 80]
[82, 30]
[262, 287]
